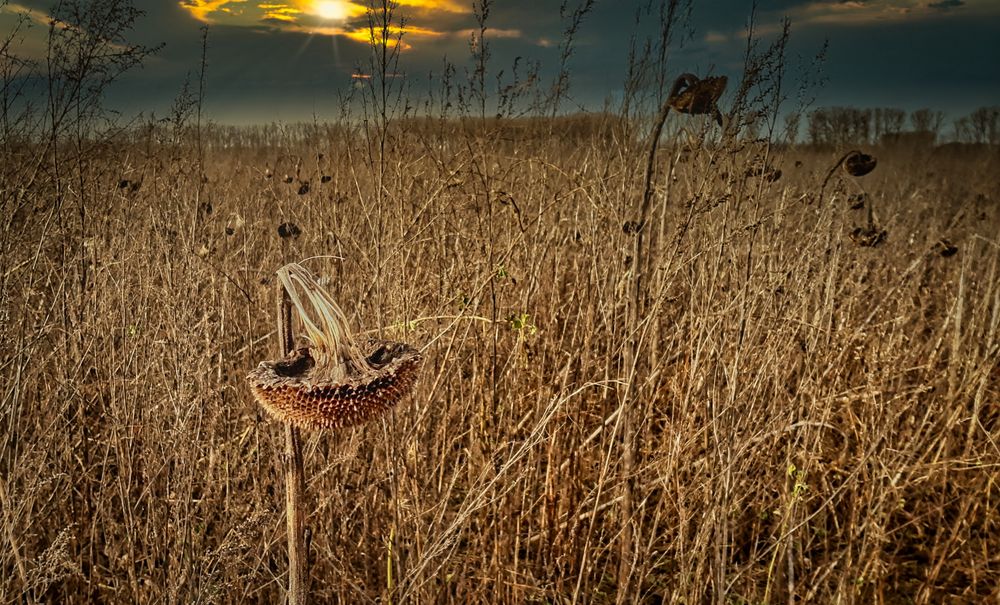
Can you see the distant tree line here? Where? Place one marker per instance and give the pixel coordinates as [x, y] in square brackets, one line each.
[838, 126]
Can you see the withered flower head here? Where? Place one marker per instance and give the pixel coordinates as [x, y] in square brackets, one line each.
[859, 164]
[333, 382]
[945, 248]
[695, 96]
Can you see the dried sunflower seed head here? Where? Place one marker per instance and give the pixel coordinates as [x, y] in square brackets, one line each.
[859, 164]
[334, 382]
[695, 96]
[291, 391]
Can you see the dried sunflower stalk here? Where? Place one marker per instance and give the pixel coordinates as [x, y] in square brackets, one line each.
[333, 382]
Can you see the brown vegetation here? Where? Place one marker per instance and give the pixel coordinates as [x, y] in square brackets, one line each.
[654, 371]
[817, 418]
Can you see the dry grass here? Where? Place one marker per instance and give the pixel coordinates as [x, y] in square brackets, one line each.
[817, 420]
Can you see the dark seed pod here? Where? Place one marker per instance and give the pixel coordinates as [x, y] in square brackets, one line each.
[631, 227]
[946, 248]
[859, 164]
[289, 230]
[868, 237]
[694, 96]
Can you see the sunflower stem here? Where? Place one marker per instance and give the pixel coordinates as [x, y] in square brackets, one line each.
[294, 473]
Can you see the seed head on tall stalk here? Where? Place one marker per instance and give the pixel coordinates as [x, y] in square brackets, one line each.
[332, 382]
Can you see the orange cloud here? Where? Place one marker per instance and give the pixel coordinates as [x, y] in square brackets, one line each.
[860, 13]
[852, 13]
[328, 17]
[714, 37]
[202, 10]
[40, 17]
[365, 35]
[856, 12]
[451, 6]
[490, 33]
[280, 12]
[34, 41]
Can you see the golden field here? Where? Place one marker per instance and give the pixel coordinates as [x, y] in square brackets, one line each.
[773, 412]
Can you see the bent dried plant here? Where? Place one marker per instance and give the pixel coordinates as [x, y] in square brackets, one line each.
[333, 382]
[696, 96]
[854, 163]
[871, 235]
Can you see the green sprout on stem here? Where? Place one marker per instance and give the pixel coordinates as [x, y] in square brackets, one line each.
[521, 322]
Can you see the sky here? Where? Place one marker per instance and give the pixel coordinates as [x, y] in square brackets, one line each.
[293, 60]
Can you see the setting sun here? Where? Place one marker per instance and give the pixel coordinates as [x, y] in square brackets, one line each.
[332, 9]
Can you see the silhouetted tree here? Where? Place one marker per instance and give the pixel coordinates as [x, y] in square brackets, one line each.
[887, 120]
[839, 126]
[986, 124]
[927, 120]
[980, 126]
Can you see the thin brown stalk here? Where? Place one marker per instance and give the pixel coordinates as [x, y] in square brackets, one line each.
[294, 472]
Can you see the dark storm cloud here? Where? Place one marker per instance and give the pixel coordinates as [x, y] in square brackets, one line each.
[900, 53]
[909, 53]
[946, 4]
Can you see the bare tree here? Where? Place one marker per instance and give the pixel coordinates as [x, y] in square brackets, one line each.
[845, 125]
[793, 123]
[927, 120]
[985, 123]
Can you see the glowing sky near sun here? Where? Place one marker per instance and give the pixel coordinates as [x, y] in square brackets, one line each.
[323, 17]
